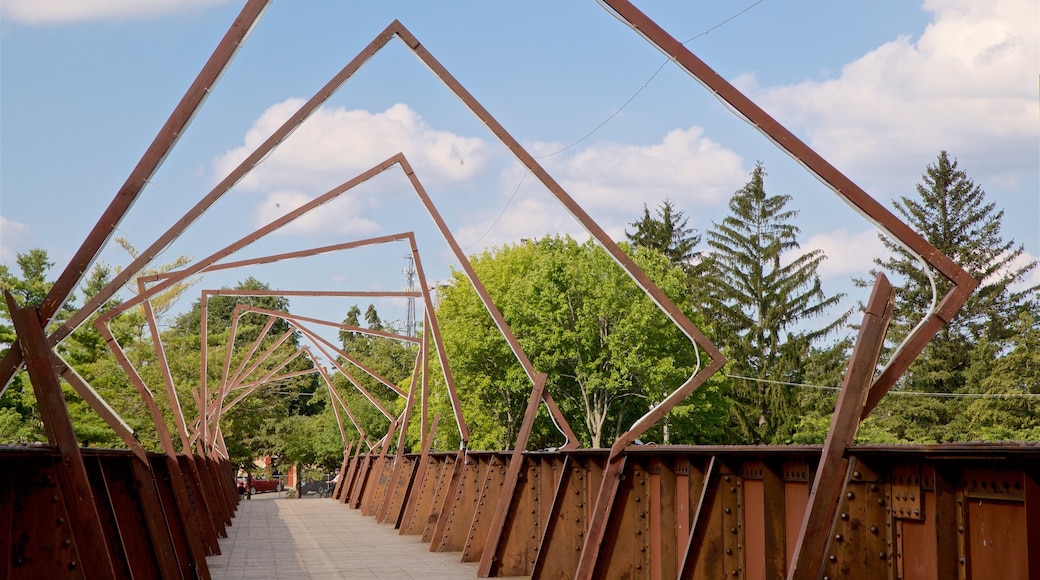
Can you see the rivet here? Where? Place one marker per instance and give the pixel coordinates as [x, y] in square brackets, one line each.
[857, 474]
[731, 530]
[873, 487]
[874, 530]
[726, 478]
[729, 551]
[60, 521]
[727, 510]
[733, 490]
[66, 543]
[844, 516]
[960, 528]
[880, 501]
[54, 499]
[734, 573]
[883, 556]
[838, 538]
[72, 565]
[850, 495]
[917, 512]
[961, 560]
[833, 558]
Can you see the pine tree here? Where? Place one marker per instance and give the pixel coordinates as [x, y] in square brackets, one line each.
[951, 212]
[757, 291]
[666, 233]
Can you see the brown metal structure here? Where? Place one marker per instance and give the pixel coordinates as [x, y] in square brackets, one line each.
[799, 512]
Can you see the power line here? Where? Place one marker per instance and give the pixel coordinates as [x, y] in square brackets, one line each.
[907, 393]
[610, 117]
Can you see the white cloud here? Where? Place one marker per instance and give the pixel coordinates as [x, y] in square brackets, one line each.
[335, 144]
[44, 12]
[685, 167]
[967, 85]
[611, 182]
[339, 216]
[848, 253]
[14, 237]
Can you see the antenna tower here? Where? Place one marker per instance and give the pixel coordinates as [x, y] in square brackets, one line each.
[409, 276]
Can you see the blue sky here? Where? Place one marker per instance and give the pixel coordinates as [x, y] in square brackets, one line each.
[878, 89]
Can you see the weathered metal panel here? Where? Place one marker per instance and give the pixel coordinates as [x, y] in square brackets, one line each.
[421, 498]
[486, 501]
[453, 527]
[526, 519]
[997, 539]
[400, 489]
[624, 552]
[42, 543]
[859, 544]
[450, 471]
[568, 520]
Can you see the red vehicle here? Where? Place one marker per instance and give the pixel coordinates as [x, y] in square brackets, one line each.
[259, 485]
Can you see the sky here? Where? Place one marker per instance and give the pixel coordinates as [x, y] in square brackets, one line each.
[877, 88]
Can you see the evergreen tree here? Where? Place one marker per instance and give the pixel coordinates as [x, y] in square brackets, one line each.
[757, 293]
[666, 233]
[952, 213]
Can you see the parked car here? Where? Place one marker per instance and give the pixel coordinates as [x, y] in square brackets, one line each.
[259, 485]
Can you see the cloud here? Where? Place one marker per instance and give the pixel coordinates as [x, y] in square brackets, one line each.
[335, 144]
[685, 167]
[967, 85]
[16, 237]
[338, 217]
[611, 182]
[49, 12]
[848, 253]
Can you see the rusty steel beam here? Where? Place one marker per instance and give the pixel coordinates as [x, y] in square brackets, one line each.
[292, 319]
[124, 199]
[506, 496]
[963, 283]
[100, 406]
[823, 497]
[209, 199]
[85, 520]
[164, 369]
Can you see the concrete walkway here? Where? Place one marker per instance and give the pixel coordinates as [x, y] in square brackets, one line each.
[278, 538]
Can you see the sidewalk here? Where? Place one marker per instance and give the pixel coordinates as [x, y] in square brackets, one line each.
[278, 538]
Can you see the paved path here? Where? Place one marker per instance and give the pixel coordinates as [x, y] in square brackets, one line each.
[278, 538]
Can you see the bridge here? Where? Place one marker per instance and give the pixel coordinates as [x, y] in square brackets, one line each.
[838, 510]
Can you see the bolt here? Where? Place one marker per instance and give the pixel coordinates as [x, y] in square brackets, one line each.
[960, 528]
[880, 501]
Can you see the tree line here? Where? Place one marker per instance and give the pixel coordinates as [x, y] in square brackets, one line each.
[610, 354]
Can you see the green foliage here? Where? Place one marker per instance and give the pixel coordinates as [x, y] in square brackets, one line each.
[760, 293]
[609, 352]
[980, 349]
[666, 233]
